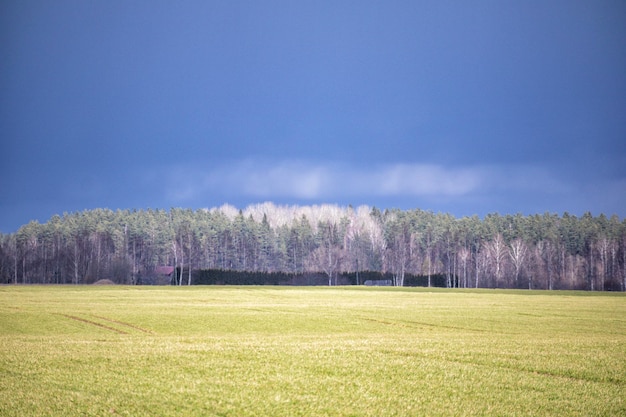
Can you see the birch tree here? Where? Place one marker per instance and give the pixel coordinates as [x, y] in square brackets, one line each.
[518, 252]
[496, 251]
[464, 256]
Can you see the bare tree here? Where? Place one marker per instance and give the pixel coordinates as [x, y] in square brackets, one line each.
[400, 256]
[518, 252]
[624, 263]
[481, 260]
[605, 249]
[496, 252]
[464, 256]
[326, 259]
[328, 255]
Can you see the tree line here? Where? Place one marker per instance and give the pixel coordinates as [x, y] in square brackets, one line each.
[546, 251]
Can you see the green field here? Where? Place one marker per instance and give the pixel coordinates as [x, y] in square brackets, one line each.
[288, 351]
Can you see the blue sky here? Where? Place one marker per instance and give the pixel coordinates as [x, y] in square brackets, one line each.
[460, 107]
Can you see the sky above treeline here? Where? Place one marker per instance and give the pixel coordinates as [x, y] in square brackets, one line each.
[458, 107]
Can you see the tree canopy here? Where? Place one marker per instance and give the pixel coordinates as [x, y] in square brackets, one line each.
[511, 251]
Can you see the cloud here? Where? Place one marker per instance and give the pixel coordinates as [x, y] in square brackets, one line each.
[286, 179]
[425, 180]
[525, 178]
[310, 181]
[301, 180]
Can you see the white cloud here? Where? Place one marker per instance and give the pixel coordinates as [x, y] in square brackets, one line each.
[289, 179]
[309, 181]
[420, 180]
[524, 178]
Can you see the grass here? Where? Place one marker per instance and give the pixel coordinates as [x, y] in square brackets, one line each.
[285, 351]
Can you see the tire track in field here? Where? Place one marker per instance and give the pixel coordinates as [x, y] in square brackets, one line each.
[563, 374]
[390, 323]
[93, 323]
[420, 325]
[132, 326]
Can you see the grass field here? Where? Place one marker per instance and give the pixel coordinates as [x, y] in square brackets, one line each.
[288, 351]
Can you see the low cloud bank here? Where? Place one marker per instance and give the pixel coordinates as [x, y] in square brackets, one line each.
[305, 180]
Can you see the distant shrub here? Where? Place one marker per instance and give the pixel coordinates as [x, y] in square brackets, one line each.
[231, 277]
[104, 282]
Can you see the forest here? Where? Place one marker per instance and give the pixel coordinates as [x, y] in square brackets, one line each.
[546, 251]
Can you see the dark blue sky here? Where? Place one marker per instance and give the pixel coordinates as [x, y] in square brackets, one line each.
[459, 107]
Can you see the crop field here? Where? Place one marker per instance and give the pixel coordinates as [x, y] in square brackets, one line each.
[294, 351]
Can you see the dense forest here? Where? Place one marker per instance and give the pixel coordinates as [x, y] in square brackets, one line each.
[135, 246]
